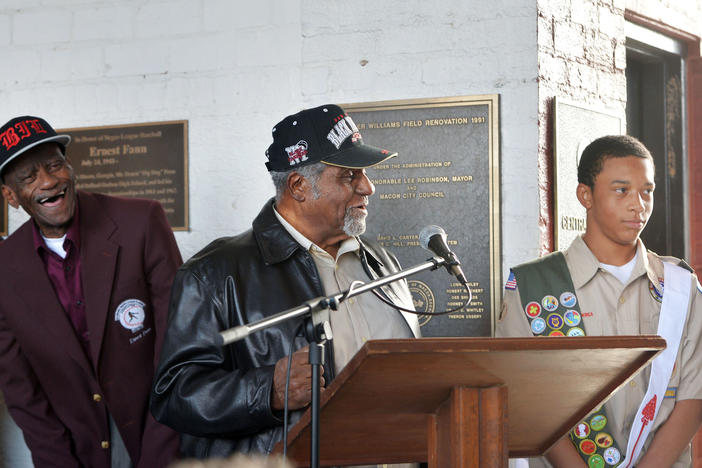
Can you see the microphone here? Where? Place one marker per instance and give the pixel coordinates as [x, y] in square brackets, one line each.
[433, 238]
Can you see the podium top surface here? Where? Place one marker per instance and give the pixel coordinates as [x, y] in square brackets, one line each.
[382, 400]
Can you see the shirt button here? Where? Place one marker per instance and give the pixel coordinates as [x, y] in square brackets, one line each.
[79, 302]
[97, 397]
[68, 268]
[105, 444]
[632, 383]
[622, 300]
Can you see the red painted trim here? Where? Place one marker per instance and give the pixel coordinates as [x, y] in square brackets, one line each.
[692, 41]
[694, 112]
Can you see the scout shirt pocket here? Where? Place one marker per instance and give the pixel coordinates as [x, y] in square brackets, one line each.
[649, 307]
[131, 311]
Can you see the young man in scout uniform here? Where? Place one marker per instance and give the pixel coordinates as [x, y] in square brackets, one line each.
[607, 283]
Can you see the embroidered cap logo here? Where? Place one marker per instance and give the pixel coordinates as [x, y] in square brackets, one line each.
[297, 152]
[341, 130]
[19, 131]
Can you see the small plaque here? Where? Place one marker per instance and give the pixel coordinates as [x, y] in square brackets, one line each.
[576, 126]
[447, 174]
[146, 160]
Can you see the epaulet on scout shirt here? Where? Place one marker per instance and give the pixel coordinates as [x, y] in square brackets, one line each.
[681, 263]
[673, 260]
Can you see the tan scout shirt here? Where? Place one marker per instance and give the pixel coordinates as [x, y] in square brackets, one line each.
[611, 308]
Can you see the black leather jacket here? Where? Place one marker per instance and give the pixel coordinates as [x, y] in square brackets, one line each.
[217, 397]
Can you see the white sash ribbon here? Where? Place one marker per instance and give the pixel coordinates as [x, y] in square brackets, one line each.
[676, 297]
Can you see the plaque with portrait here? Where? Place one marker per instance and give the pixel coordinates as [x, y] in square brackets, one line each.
[576, 126]
[446, 174]
[144, 160]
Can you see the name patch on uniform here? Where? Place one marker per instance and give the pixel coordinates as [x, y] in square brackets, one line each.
[130, 314]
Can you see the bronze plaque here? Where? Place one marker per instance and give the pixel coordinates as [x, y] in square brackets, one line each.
[576, 126]
[447, 174]
[145, 160]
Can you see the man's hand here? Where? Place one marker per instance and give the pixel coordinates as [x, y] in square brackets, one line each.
[564, 455]
[300, 391]
[673, 435]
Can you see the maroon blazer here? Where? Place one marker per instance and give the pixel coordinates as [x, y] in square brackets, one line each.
[57, 394]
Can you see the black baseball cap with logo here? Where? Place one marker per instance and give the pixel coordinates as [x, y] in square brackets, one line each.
[24, 133]
[323, 134]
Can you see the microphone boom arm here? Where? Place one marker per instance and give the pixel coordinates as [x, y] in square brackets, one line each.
[319, 303]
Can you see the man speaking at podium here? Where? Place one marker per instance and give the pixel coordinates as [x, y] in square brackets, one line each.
[607, 283]
[304, 243]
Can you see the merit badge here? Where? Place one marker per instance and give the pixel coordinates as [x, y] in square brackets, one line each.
[555, 321]
[598, 422]
[612, 456]
[576, 331]
[568, 299]
[582, 430]
[596, 461]
[556, 333]
[603, 440]
[533, 309]
[550, 303]
[538, 325]
[671, 392]
[572, 318]
[588, 447]
[130, 314]
[511, 281]
[657, 294]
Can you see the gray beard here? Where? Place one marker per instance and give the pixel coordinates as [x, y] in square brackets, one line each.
[354, 225]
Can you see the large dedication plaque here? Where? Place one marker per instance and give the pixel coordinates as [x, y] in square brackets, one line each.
[447, 174]
[145, 160]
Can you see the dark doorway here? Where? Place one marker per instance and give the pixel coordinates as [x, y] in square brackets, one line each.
[654, 116]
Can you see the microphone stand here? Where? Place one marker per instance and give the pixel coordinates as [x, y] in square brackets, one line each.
[318, 332]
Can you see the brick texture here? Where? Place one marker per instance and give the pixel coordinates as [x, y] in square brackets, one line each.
[581, 57]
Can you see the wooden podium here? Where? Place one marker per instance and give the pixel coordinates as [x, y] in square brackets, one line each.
[445, 400]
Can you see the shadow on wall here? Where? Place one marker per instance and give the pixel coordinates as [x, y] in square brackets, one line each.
[13, 451]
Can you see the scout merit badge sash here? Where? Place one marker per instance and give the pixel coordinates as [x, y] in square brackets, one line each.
[676, 297]
[549, 302]
[596, 446]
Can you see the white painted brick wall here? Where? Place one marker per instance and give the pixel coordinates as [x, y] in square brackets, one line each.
[685, 15]
[104, 22]
[42, 26]
[5, 30]
[95, 62]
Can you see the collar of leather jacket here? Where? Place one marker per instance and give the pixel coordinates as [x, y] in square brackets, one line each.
[276, 244]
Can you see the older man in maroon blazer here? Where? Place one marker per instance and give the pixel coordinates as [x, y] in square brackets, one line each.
[83, 304]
